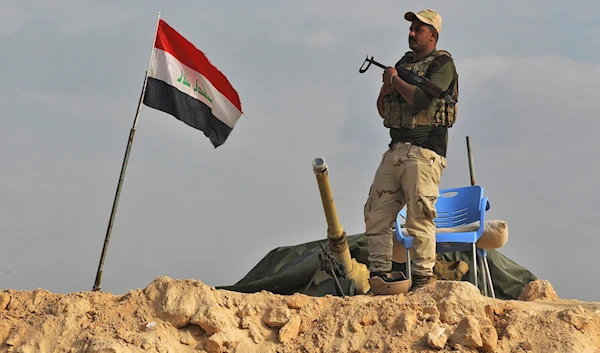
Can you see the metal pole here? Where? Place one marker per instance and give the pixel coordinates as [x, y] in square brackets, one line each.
[486, 285]
[471, 167]
[98, 281]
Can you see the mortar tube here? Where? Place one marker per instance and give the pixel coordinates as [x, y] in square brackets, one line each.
[336, 235]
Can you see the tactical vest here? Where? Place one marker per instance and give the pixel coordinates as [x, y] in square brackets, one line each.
[399, 114]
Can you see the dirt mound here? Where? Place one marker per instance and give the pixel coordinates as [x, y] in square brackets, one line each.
[188, 316]
[540, 289]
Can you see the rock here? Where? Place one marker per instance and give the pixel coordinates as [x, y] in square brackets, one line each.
[175, 306]
[256, 332]
[126, 336]
[38, 297]
[374, 344]
[12, 340]
[498, 310]
[248, 310]
[147, 344]
[246, 322]
[431, 310]
[186, 339]
[228, 301]
[211, 319]
[28, 348]
[456, 300]
[538, 290]
[368, 319]
[221, 342]
[296, 301]
[290, 330]
[355, 326]
[437, 338]
[406, 321]
[177, 302]
[277, 317]
[575, 316]
[526, 346]
[511, 332]
[459, 348]
[4, 300]
[489, 336]
[467, 333]
[309, 315]
[342, 331]
[4, 331]
[70, 306]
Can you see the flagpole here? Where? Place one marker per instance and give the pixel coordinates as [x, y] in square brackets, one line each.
[97, 282]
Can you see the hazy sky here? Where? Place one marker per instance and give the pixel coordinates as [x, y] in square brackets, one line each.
[72, 75]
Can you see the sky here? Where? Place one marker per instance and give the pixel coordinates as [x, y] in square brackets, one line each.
[72, 76]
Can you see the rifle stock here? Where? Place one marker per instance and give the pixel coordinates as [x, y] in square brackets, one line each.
[413, 79]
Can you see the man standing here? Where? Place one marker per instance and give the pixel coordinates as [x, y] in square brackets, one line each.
[410, 170]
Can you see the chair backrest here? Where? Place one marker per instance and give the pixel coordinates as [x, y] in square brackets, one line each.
[458, 206]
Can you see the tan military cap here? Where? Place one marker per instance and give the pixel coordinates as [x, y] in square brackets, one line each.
[427, 16]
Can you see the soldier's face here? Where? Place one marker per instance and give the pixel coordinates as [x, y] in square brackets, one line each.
[419, 35]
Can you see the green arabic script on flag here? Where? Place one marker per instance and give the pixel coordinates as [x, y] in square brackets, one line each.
[183, 79]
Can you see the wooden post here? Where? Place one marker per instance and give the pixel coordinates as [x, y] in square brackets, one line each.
[471, 167]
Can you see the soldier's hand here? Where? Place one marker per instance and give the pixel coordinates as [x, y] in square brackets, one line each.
[387, 74]
[386, 89]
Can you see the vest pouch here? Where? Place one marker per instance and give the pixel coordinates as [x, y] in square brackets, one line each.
[411, 119]
[392, 111]
[444, 114]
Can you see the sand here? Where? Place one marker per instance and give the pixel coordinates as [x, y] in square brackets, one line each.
[172, 315]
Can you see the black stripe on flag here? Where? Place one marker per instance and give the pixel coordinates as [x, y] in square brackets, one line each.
[166, 98]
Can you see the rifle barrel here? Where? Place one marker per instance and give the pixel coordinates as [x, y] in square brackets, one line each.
[377, 64]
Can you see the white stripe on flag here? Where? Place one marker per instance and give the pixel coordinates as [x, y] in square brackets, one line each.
[165, 67]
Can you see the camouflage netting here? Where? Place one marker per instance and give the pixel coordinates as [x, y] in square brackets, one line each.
[288, 269]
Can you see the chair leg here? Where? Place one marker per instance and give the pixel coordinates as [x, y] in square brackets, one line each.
[489, 276]
[475, 266]
[408, 268]
[483, 277]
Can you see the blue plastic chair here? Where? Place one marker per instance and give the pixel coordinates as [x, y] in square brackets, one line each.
[467, 205]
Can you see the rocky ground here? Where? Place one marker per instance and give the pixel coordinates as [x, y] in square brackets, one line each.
[188, 316]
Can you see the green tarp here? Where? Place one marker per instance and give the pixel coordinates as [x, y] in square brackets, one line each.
[287, 270]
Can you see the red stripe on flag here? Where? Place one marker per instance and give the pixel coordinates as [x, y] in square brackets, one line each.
[171, 41]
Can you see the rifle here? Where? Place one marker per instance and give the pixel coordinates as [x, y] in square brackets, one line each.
[414, 79]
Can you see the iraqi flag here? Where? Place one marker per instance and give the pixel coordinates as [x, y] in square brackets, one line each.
[183, 83]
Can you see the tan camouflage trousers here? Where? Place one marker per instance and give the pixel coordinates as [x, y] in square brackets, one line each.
[407, 175]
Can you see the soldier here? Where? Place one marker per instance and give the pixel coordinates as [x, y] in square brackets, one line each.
[410, 170]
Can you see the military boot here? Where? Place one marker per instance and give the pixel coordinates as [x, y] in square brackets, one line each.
[384, 275]
[418, 281]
